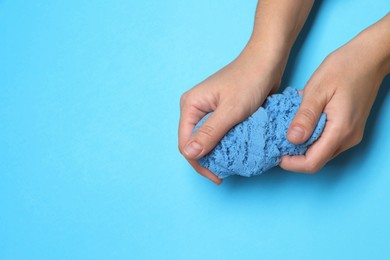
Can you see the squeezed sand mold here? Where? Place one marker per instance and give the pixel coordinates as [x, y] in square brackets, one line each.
[258, 143]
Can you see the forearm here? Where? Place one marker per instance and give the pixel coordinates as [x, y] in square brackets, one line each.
[277, 25]
[369, 51]
[278, 22]
[375, 41]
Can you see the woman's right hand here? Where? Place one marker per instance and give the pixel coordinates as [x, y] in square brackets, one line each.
[232, 94]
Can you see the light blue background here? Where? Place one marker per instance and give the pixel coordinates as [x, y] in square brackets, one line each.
[89, 165]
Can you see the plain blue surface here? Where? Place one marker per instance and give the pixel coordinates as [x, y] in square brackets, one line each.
[89, 165]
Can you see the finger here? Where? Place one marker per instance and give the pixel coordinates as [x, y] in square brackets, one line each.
[205, 172]
[189, 117]
[316, 156]
[309, 112]
[211, 132]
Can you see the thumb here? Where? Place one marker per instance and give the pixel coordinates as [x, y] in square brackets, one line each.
[211, 132]
[306, 119]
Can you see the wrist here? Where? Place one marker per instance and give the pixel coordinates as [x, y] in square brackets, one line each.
[266, 58]
[374, 43]
[272, 51]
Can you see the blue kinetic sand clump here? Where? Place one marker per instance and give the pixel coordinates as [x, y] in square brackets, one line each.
[257, 144]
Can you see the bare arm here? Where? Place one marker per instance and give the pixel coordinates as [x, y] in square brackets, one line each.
[277, 25]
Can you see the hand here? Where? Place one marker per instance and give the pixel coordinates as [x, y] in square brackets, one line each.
[344, 87]
[233, 93]
[236, 91]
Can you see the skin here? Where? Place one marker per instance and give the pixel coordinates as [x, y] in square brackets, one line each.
[238, 90]
[344, 87]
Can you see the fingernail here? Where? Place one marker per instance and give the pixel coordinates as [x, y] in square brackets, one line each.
[193, 149]
[297, 132]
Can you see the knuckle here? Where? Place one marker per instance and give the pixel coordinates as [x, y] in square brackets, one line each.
[357, 138]
[312, 167]
[184, 99]
[307, 116]
[237, 113]
[237, 109]
[360, 137]
[180, 149]
[199, 172]
[206, 130]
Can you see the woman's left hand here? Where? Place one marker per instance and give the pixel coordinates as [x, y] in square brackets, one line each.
[344, 87]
